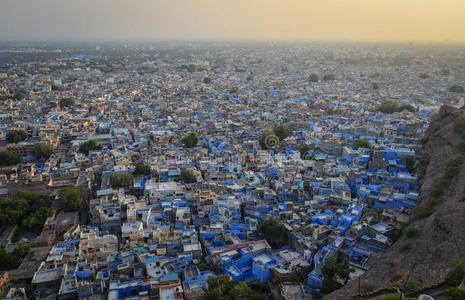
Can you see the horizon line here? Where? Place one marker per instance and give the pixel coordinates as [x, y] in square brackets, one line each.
[9, 40]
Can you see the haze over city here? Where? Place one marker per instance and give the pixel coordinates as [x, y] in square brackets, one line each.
[232, 149]
[341, 20]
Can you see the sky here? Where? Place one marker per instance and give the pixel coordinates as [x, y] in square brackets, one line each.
[327, 20]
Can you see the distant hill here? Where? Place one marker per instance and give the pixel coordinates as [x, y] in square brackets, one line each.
[436, 235]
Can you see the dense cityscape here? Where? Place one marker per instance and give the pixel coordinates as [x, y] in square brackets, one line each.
[213, 170]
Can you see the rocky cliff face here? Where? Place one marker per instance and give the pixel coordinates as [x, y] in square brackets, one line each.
[436, 235]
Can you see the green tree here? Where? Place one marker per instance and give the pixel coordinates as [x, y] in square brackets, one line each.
[35, 221]
[456, 88]
[207, 80]
[334, 269]
[388, 107]
[281, 132]
[73, 199]
[218, 288]
[362, 143]
[344, 271]
[240, 291]
[407, 107]
[187, 176]
[203, 265]
[66, 102]
[22, 249]
[269, 140]
[329, 77]
[223, 288]
[191, 68]
[34, 200]
[8, 158]
[12, 260]
[456, 273]
[297, 277]
[455, 293]
[15, 208]
[314, 77]
[16, 136]
[88, 146]
[142, 169]
[375, 86]
[329, 277]
[459, 125]
[190, 140]
[410, 164]
[32, 224]
[274, 232]
[391, 106]
[305, 152]
[122, 180]
[42, 151]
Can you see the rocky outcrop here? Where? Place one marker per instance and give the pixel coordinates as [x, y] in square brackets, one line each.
[440, 228]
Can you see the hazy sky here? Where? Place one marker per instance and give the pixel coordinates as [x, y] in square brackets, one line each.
[414, 20]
